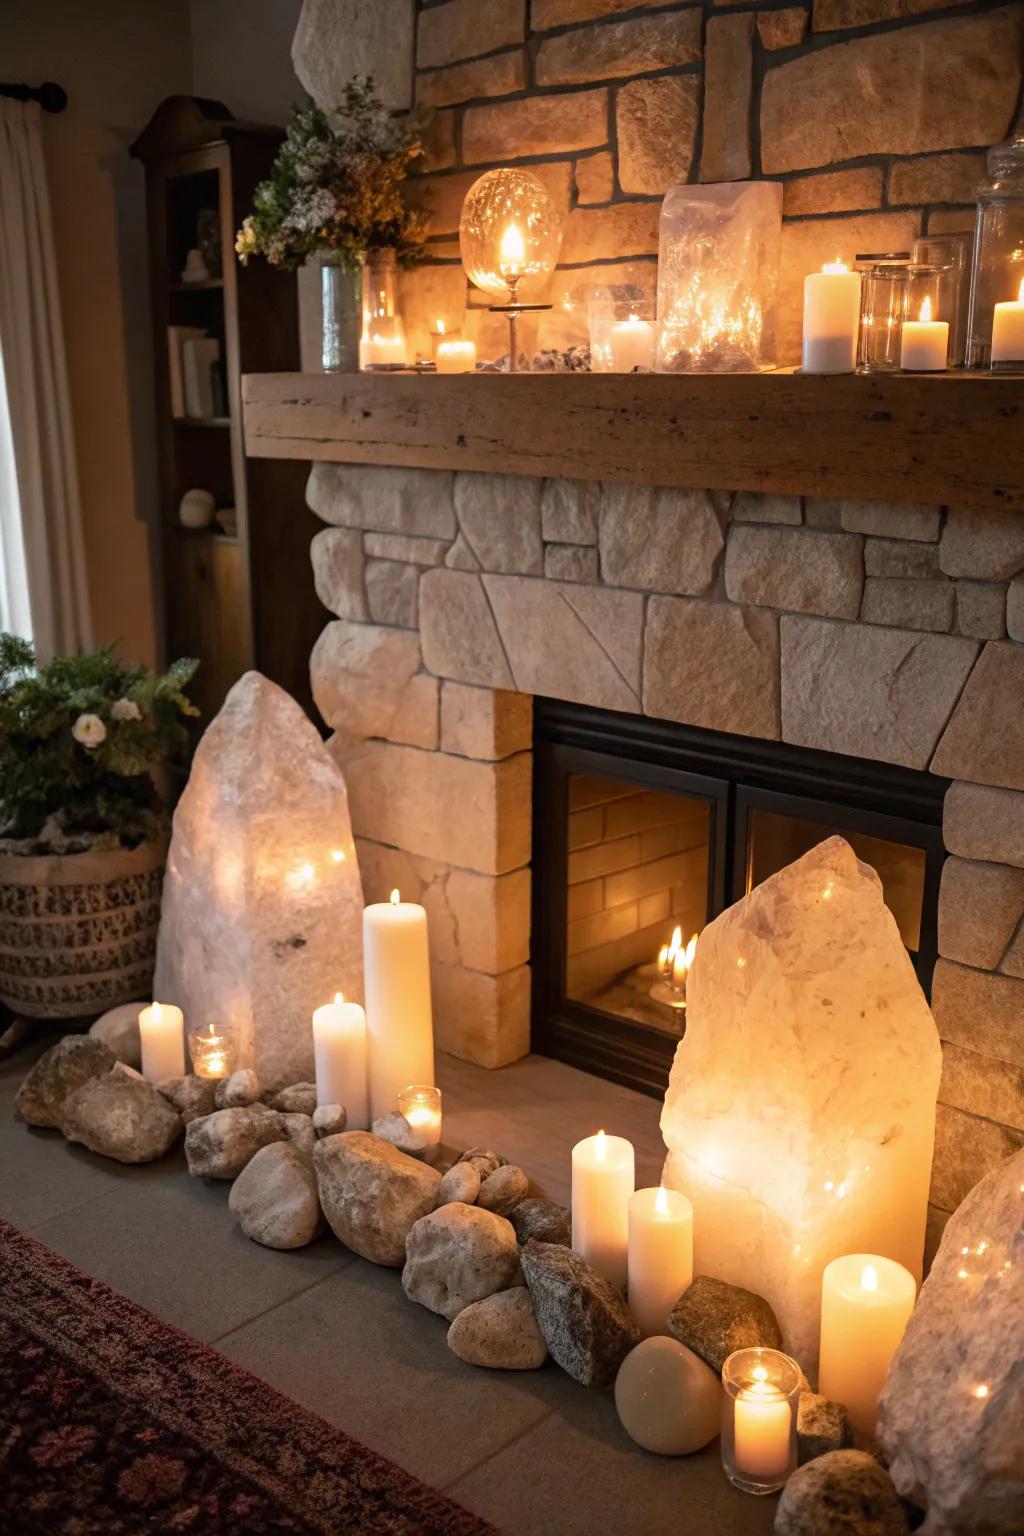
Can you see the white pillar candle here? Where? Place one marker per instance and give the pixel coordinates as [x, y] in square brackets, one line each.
[763, 1428]
[924, 343]
[1008, 330]
[866, 1302]
[399, 1022]
[456, 356]
[603, 1176]
[339, 1054]
[831, 319]
[632, 344]
[660, 1263]
[162, 1036]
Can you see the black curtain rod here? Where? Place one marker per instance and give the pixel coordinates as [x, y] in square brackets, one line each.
[52, 98]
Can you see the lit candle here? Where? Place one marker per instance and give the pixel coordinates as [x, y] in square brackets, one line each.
[660, 1263]
[162, 1035]
[1008, 331]
[210, 1053]
[378, 348]
[603, 1176]
[339, 1054]
[399, 1022]
[632, 342]
[866, 1303]
[420, 1103]
[456, 356]
[924, 343]
[763, 1429]
[512, 255]
[831, 319]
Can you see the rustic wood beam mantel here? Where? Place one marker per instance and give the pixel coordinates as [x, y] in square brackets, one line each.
[949, 438]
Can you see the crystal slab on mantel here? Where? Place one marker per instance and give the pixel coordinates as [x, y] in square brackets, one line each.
[800, 1113]
[262, 903]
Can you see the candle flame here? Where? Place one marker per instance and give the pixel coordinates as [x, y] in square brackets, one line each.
[835, 266]
[926, 310]
[1020, 300]
[759, 1373]
[869, 1278]
[601, 1149]
[395, 898]
[513, 250]
[157, 1013]
[440, 327]
[339, 998]
[661, 1201]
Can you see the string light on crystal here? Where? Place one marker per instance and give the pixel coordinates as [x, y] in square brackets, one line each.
[509, 237]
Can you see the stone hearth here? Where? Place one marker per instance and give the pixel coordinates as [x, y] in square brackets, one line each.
[882, 631]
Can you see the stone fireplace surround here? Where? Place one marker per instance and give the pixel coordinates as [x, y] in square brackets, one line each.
[886, 631]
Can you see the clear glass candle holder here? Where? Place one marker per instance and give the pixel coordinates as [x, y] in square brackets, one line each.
[420, 1103]
[759, 1404]
[212, 1051]
[623, 334]
[883, 308]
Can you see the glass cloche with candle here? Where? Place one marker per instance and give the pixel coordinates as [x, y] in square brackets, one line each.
[509, 236]
[998, 271]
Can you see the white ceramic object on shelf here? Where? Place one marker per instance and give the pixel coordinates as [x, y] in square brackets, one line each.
[196, 509]
[195, 269]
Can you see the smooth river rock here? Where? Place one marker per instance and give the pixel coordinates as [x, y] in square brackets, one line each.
[275, 1198]
[118, 1028]
[503, 1189]
[585, 1321]
[191, 1096]
[330, 1119]
[456, 1255]
[714, 1319]
[500, 1332]
[300, 1132]
[951, 1415]
[844, 1493]
[803, 1092]
[544, 1220]
[460, 1184]
[372, 1194]
[121, 1115]
[218, 1146]
[395, 1128]
[260, 922]
[58, 1072]
[483, 1160]
[667, 1399]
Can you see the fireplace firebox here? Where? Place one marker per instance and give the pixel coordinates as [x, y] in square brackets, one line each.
[645, 830]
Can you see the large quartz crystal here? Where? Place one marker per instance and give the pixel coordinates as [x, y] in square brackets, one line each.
[800, 1113]
[951, 1416]
[262, 904]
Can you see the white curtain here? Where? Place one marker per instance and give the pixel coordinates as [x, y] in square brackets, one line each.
[41, 545]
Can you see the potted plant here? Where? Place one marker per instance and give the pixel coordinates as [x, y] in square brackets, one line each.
[335, 190]
[83, 829]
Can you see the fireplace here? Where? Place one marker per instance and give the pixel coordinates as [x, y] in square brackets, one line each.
[645, 828]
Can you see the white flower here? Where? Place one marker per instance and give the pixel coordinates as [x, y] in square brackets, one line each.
[125, 709]
[89, 731]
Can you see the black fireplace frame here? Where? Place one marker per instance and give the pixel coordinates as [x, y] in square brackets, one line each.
[737, 774]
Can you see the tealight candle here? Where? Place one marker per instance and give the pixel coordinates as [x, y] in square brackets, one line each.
[603, 1176]
[1008, 335]
[660, 1262]
[866, 1302]
[456, 356]
[339, 1055]
[162, 1036]
[399, 1021]
[210, 1052]
[632, 344]
[831, 319]
[924, 343]
[420, 1103]
[762, 1388]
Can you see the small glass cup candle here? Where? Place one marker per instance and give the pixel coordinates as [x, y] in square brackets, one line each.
[421, 1106]
[455, 354]
[883, 308]
[762, 1387]
[212, 1052]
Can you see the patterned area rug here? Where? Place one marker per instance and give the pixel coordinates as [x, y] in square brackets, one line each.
[114, 1422]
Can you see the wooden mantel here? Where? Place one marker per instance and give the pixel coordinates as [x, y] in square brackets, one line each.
[951, 438]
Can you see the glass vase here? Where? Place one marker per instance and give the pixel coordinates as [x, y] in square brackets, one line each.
[998, 273]
[383, 338]
[341, 317]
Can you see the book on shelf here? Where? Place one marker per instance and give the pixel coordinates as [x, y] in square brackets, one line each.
[177, 335]
[199, 354]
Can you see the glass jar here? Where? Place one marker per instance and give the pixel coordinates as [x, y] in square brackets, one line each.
[883, 308]
[383, 338]
[341, 317]
[212, 1051]
[759, 1406]
[420, 1103]
[950, 256]
[998, 269]
[623, 335]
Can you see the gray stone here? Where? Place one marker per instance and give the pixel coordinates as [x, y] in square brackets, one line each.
[499, 1332]
[892, 519]
[191, 1096]
[395, 1128]
[275, 1198]
[661, 540]
[484, 1160]
[456, 1255]
[118, 1029]
[951, 1447]
[457, 629]
[218, 1146]
[713, 1319]
[571, 562]
[338, 572]
[300, 1131]
[979, 1010]
[981, 608]
[568, 511]
[984, 542]
[400, 546]
[980, 1085]
[821, 1426]
[901, 557]
[335, 39]
[584, 1321]
[330, 1119]
[909, 603]
[984, 740]
[392, 591]
[980, 906]
[820, 573]
[121, 1115]
[413, 501]
[966, 1149]
[503, 1189]
[656, 126]
[869, 692]
[713, 665]
[61, 1070]
[466, 28]
[460, 557]
[543, 1220]
[759, 507]
[372, 1194]
[983, 823]
[843, 1493]
[365, 683]
[296, 1099]
[241, 1088]
[621, 49]
[461, 1185]
[1015, 608]
[499, 517]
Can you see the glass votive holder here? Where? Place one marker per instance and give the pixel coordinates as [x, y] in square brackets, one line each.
[212, 1051]
[883, 308]
[420, 1103]
[623, 333]
[759, 1404]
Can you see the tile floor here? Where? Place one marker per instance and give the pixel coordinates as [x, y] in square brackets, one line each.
[530, 1451]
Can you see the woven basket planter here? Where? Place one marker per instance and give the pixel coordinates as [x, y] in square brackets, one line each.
[78, 931]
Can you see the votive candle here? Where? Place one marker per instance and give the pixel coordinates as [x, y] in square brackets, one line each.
[456, 356]
[632, 344]
[924, 343]
[420, 1103]
[162, 1037]
[866, 1302]
[660, 1261]
[1008, 333]
[603, 1177]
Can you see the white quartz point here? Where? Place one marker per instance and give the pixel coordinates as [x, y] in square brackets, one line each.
[800, 1113]
[262, 902]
